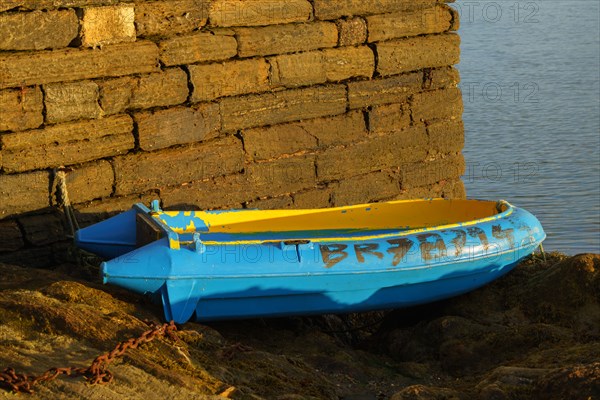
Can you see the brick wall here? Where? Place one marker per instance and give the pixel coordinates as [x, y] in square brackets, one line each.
[223, 103]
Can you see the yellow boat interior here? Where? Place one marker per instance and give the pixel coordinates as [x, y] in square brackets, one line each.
[348, 222]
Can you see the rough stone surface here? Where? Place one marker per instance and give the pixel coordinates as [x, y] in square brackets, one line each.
[380, 152]
[12, 239]
[21, 109]
[436, 19]
[276, 140]
[38, 30]
[352, 31]
[429, 172]
[98, 210]
[288, 38]
[139, 173]
[273, 178]
[24, 192]
[435, 104]
[166, 88]
[71, 101]
[446, 136]
[221, 192]
[422, 392]
[314, 198]
[314, 67]
[89, 182]
[412, 54]
[40, 257]
[211, 81]
[169, 18]
[570, 382]
[299, 69]
[66, 144]
[448, 189]
[282, 176]
[290, 105]
[72, 65]
[389, 117]
[396, 89]
[365, 188]
[503, 341]
[246, 103]
[456, 191]
[158, 90]
[455, 26]
[273, 203]
[259, 12]
[107, 25]
[348, 62]
[197, 48]
[327, 9]
[439, 78]
[180, 125]
[53, 4]
[42, 229]
[332, 131]
[115, 94]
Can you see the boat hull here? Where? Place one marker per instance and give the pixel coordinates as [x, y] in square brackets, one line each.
[247, 278]
[273, 303]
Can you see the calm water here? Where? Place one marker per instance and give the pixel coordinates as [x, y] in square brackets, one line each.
[531, 86]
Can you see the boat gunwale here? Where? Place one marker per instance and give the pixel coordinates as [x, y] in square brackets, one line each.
[173, 235]
[427, 265]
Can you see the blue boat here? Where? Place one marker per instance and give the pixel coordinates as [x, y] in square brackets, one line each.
[212, 265]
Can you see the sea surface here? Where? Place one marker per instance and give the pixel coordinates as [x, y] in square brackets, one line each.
[530, 75]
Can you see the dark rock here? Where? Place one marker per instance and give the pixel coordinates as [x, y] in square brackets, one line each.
[532, 334]
[509, 382]
[574, 382]
[420, 392]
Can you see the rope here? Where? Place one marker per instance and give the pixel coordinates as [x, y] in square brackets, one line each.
[63, 200]
[87, 264]
[543, 252]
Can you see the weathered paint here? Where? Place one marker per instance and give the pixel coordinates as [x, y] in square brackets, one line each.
[380, 216]
[279, 264]
[174, 244]
[367, 219]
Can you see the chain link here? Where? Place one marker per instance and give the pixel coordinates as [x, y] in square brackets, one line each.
[97, 373]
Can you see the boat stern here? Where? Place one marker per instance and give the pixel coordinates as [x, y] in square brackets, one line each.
[143, 270]
[110, 238]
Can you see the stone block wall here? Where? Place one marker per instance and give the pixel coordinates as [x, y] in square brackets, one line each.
[221, 103]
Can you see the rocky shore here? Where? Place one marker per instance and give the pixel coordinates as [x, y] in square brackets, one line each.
[532, 334]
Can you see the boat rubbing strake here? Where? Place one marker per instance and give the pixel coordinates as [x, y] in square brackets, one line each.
[209, 265]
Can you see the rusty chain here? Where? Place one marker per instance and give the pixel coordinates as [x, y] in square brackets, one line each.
[97, 372]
